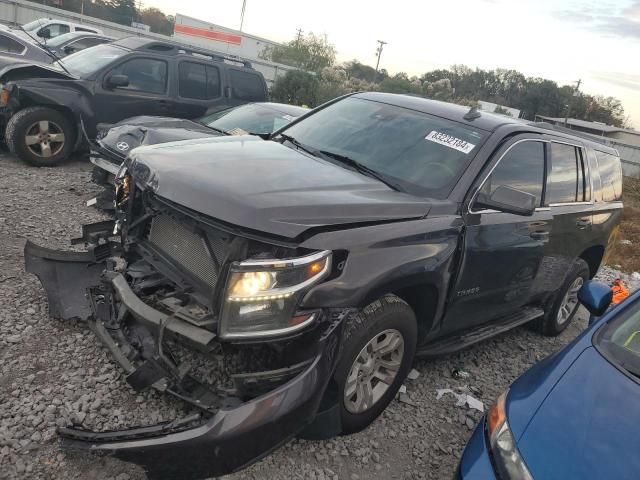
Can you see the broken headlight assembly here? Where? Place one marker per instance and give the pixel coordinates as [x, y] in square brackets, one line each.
[261, 296]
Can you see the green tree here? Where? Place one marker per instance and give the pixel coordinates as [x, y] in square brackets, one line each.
[123, 11]
[157, 20]
[296, 88]
[311, 53]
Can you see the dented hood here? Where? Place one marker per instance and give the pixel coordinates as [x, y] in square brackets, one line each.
[133, 132]
[12, 69]
[267, 187]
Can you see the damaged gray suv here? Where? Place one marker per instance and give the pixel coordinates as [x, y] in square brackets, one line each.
[284, 286]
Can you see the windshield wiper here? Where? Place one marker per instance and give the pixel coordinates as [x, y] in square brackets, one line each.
[361, 168]
[301, 146]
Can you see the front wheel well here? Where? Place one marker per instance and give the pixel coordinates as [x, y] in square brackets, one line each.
[423, 300]
[593, 256]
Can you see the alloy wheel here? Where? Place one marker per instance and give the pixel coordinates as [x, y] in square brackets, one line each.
[373, 371]
[45, 138]
[569, 302]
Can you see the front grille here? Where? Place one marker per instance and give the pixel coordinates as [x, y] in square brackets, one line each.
[187, 248]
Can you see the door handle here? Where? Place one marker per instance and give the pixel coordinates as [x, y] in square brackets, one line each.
[583, 223]
[539, 235]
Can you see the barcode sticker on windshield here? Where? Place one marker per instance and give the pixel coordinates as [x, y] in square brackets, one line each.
[450, 141]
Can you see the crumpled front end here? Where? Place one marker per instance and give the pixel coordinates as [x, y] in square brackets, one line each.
[157, 299]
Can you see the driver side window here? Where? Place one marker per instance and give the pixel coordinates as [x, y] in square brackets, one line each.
[144, 74]
[522, 168]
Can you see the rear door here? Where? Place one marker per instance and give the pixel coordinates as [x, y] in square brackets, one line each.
[568, 195]
[502, 253]
[199, 88]
[146, 94]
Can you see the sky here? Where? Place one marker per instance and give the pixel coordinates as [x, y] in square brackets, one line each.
[597, 42]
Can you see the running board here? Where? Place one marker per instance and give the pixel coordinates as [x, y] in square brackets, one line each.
[456, 342]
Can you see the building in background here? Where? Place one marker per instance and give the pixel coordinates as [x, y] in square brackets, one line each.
[599, 129]
[499, 109]
[625, 140]
[196, 32]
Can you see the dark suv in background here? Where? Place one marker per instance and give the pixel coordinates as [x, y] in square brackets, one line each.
[49, 111]
[318, 264]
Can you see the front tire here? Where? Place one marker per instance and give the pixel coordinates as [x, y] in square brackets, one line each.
[40, 136]
[378, 349]
[565, 304]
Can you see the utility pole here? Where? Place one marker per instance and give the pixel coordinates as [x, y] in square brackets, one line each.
[298, 35]
[244, 4]
[576, 93]
[381, 44]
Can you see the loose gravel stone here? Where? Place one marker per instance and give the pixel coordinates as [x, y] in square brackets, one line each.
[55, 374]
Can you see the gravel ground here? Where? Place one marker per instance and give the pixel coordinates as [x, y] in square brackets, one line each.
[54, 373]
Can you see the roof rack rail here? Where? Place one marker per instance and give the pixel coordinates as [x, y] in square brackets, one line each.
[178, 48]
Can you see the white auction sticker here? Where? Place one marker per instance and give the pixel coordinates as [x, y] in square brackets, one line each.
[450, 141]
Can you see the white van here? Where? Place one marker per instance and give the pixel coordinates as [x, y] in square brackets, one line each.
[55, 27]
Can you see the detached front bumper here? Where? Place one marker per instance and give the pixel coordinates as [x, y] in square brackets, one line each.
[231, 439]
[230, 434]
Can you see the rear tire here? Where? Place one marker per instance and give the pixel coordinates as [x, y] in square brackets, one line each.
[565, 304]
[379, 342]
[40, 136]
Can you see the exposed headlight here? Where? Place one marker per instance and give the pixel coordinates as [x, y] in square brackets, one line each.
[508, 462]
[261, 297]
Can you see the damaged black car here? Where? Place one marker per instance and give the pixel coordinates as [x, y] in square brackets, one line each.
[112, 146]
[48, 112]
[321, 262]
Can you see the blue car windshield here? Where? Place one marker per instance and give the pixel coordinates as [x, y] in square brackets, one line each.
[619, 340]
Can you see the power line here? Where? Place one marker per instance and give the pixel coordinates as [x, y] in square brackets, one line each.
[381, 44]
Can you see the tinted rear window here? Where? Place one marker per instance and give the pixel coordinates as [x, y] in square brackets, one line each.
[10, 45]
[610, 176]
[247, 86]
[562, 181]
[198, 81]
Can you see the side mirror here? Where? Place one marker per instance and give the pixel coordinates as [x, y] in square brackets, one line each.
[115, 81]
[508, 200]
[69, 49]
[596, 297]
[45, 33]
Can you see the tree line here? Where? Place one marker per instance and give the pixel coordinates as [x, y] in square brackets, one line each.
[123, 12]
[320, 79]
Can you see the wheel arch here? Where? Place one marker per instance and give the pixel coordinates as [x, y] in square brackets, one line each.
[593, 256]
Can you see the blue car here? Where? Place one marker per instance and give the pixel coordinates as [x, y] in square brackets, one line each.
[574, 415]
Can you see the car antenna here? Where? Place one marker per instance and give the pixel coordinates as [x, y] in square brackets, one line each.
[472, 114]
[47, 51]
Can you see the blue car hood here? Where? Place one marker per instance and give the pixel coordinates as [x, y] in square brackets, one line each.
[588, 427]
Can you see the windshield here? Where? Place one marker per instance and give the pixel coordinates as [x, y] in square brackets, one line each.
[620, 339]
[251, 118]
[60, 39]
[86, 62]
[420, 153]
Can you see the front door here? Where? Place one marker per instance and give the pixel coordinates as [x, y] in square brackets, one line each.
[502, 253]
[146, 94]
